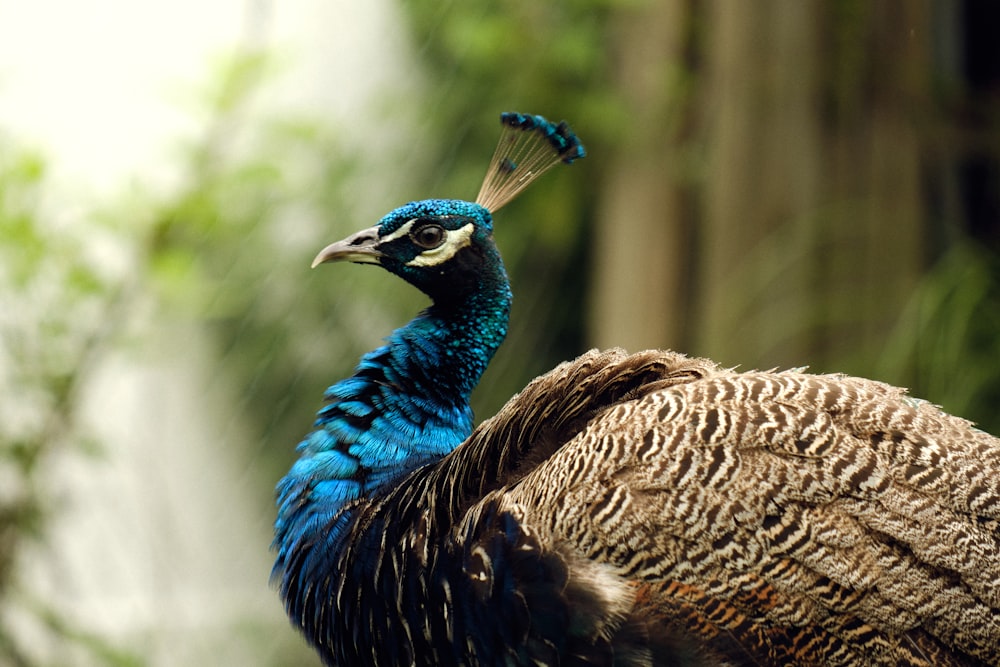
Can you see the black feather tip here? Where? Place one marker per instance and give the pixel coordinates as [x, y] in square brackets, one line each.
[529, 146]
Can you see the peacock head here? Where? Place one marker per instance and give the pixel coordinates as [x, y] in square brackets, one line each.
[437, 245]
[443, 245]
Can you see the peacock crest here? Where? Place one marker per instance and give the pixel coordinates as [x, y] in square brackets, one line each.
[528, 147]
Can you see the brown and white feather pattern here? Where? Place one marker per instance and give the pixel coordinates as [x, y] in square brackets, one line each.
[770, 518]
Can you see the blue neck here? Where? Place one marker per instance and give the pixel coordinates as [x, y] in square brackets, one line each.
[406, 405]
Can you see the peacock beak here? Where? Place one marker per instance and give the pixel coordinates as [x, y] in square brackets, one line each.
[361, 247]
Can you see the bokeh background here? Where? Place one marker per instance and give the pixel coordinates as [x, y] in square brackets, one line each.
[769, 183]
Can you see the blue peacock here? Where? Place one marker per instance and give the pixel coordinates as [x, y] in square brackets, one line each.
[623, 509]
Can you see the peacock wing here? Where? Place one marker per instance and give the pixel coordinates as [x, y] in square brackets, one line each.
[788, 517]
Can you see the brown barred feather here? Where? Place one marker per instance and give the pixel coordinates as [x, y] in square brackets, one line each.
[764, 518]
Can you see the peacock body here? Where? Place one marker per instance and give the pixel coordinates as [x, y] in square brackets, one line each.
[643, 509]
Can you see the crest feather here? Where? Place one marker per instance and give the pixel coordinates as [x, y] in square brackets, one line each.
[528, 147]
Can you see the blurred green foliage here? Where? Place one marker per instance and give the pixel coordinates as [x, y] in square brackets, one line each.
[217, 250]
[946, 344]
[229, 249]
[61, 310]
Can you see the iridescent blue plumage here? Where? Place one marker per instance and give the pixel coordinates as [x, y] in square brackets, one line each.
[407, 403]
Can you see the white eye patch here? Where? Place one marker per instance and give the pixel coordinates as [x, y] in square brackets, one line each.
[455, 240]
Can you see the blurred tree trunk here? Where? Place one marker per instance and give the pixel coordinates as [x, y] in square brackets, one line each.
[881, 92]
[640, 239]
[811, 238]
[806, 239]
[761, 191]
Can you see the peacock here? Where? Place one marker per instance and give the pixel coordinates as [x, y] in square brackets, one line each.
[622, 509]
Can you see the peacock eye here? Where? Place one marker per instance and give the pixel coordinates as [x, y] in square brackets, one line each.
[428, 236]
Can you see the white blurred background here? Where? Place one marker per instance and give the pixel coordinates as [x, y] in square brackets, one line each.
[160, 543]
